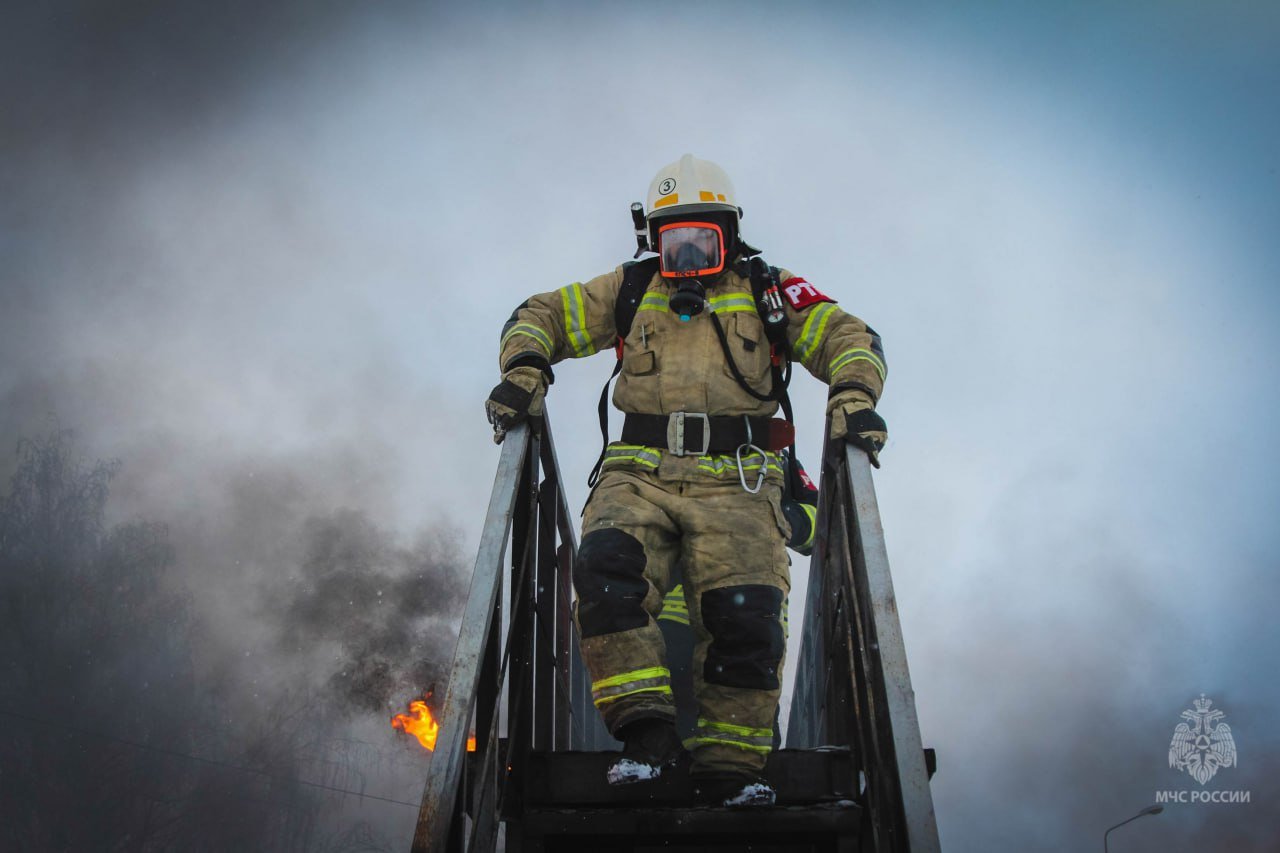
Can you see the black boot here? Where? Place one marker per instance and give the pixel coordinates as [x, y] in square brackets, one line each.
[735, 791]
[648, 746]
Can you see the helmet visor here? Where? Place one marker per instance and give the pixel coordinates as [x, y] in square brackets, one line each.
[691, 249]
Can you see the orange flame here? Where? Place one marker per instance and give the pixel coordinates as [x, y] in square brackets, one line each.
[421, 724]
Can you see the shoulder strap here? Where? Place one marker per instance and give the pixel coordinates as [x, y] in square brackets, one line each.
[765, 281]
[635, 280]
[636, 276]
[764, 288]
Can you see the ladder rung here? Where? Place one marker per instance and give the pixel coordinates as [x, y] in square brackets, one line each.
[790, 829]
[576, 779]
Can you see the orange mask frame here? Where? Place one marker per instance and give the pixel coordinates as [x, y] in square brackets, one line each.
[710, 226]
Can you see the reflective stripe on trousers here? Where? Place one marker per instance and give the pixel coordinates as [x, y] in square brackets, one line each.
[730, 734]
[654, 679]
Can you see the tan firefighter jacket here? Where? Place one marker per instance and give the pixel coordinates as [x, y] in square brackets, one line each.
[669, 365]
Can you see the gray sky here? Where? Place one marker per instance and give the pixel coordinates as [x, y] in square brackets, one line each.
[232, 238]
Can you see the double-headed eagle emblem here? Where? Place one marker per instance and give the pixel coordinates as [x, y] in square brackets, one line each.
[1201, 745]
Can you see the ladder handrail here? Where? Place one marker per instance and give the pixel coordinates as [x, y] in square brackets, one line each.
[444, 776]
[853, 687]
[530, 650]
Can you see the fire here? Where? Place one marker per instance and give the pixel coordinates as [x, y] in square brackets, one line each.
[420, 723]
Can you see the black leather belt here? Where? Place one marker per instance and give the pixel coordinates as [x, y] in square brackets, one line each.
[696, 434]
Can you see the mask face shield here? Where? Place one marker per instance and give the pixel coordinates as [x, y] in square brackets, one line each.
[691, 249]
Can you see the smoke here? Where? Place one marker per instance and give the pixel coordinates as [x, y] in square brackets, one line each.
[1076, 633]
[177, 292]
[259, 255]
[379, 605]
[112, 736]
[284, 664]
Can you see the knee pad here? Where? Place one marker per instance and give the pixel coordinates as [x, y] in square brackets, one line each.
[609, 578]
[747, 643]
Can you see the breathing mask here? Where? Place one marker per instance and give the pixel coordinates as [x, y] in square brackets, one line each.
[691, 249]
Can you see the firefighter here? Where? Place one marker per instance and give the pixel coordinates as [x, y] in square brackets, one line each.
[800, 505]
[697, 478]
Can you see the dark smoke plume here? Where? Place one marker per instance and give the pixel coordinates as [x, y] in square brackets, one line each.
[127, 722]
[98, 687]
[377, 604]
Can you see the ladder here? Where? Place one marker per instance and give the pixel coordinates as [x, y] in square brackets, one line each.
[854, 777]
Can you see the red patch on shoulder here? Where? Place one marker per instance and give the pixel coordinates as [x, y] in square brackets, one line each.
[801, 294]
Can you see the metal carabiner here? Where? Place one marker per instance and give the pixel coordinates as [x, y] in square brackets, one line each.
[764, 462]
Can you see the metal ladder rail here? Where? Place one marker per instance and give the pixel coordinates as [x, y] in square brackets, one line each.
[853, 687]
[536, 657]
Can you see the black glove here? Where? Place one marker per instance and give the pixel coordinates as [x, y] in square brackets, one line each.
[803, 518]
[866, 430]
[800, 506]
[854, 418]
[515, 399]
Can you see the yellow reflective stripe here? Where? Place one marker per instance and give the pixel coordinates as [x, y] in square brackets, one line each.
[654, 679]
[674, 607]
[727, 741]
[813, 330]
[858, 354]
[731, 734]
[727, 464]
[604, 700]
[650, 457]
[634, 675]
[575, 323]
[733, 728]
[671, 609]
[632, 453]
[655, 302]
[615, 461]
[728, 303]
[811, 511]
[720, 465]
[531, 331]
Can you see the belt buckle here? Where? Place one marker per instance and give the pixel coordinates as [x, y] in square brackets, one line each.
[675, 433]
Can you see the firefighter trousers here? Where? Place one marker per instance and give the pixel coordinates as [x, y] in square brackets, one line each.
[731, 544]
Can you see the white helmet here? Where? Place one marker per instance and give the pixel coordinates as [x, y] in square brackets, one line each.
[690, 185]
[685, 193]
